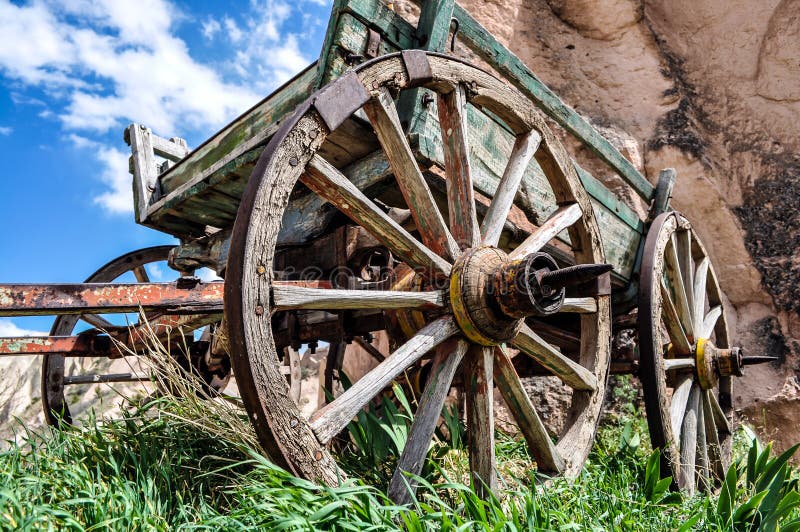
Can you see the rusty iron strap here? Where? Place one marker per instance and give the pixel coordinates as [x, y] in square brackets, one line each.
[109, 298]
[71, 346]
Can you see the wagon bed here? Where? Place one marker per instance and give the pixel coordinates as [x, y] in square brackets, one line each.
[197, 196]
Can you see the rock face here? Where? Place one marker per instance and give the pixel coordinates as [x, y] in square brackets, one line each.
[712, 89]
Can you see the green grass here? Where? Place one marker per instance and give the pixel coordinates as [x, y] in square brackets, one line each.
[193, 464]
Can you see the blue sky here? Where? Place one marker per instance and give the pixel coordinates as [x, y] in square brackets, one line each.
[74, 73]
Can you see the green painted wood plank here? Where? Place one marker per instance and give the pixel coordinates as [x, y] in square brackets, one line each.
[434, 24]
[236, 135]
[488, 48]
[490, 146]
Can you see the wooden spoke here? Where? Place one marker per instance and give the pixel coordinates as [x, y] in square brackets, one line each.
[677, 407]
[689, 441]
[702, 449]
[683, 242]
[334, 417]
[561, 219]
[328, 182]
[524, 149]
[712, 438]
[710, 322]
[478, 374]
[674, 328]
[98, 322]
[369, 348]
[723, 425]
[297, 297]
[568, 371]
[460, 195]
[382, 114]
[579, 305]
[530, 424]
[682, 307]
[678, 363]
[700, 278]
[141, 274]
[447, 360]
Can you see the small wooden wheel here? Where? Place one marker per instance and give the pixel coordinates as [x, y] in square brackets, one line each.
[57, 374]
[471, 296]
[686, 359]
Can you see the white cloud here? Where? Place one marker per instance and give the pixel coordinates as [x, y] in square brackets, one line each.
[115, 62]
[234, 33]
[119, 198]
[6, 130]
[210, 28]
[9, 328]
[103, 64]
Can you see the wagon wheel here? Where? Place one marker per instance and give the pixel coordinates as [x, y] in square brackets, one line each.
[55, 379]
[456, 261]
[687, 362]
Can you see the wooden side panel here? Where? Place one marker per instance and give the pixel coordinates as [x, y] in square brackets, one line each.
[490, 147]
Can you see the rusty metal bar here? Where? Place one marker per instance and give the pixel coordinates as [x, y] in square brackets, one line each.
[71, 346]
[111, 377]
[109, 298]
[91, 344]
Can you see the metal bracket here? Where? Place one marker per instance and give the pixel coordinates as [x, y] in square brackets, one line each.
[599, 286]
[417, 66]
[336, 102]
[373, 44]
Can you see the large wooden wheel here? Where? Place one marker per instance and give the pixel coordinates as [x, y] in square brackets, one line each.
[62, 383]
[471, 302]
[687, 362]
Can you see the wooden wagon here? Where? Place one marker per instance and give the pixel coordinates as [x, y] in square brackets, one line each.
[394, 187]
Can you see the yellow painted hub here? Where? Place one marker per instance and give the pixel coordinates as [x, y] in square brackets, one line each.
[704, 352]
[469, 299]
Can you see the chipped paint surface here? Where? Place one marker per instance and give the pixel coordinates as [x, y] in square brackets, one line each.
[47, 299]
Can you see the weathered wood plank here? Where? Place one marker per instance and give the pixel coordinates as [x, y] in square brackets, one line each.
[677, 289]
[712, 438]
[568, 371]
[460, 195]
[683, 242]
[719, 416]
[296, 297]
[334, 417]
[479, 388]
[674, 328]
[435, 234]
[488, 48]
[702, 449]
[689, 442]
[530, 424]
[145, 173]
[677, 408]
[329, 183]
[709, 322]
[560, 220]
[699, 293]
[252, 128]
[524, 148]
[447, 360]
[678, 363]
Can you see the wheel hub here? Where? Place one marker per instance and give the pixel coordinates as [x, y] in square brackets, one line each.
[712, 362]
[491, 294]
